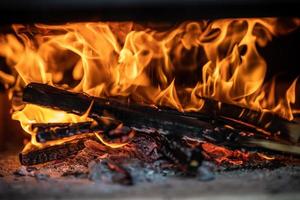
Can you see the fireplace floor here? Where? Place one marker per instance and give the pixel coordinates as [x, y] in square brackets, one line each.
[279, 183]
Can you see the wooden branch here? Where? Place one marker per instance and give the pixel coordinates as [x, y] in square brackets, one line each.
[57, 152]
[46, 132]
[163, 119]
[55, 131]
[246, 118]
[132, 115]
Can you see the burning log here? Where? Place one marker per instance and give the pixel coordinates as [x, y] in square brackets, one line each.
[145, 146]
[232, 138]
[166, 120]
[173, 151]
[137, 116]
[46, 132]
[247, 119]
[38, 156]
[235, 140]
[132, 115]
[55, 131]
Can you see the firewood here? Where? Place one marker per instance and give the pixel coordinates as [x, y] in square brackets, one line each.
[132, 115]
[46, 132]
[170, 149]
[247, 119]
[146, 145]
[55, 131]
[165, 120]
[230, 138]
[56, 152]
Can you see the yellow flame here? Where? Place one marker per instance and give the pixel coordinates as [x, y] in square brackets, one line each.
[111, 145]
[32, 114]
[142, 63]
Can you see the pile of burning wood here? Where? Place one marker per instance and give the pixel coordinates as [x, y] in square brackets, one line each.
[122, 132]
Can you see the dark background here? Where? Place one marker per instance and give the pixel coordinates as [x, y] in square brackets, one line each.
[21, 11]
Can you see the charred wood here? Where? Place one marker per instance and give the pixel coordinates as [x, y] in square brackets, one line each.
[46, 132]
[55, 131]
[131, 115]
[57, 152]
[230, 138]
[164, 119]
[145, 146]
[248, 119]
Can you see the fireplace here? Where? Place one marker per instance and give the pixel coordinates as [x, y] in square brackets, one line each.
[102, 95]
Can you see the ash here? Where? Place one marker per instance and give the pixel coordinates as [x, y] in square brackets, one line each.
[61, 180]
[126, 166]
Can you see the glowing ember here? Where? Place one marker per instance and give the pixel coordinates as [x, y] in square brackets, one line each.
[221, 154]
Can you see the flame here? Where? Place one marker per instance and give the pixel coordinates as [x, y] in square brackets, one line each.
[32, 114]
[218, 59]
[111, 145]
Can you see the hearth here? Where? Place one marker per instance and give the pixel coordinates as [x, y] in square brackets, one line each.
[128, 102]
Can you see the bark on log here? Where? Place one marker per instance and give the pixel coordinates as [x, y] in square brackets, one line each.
[131, 115]
[162, 119]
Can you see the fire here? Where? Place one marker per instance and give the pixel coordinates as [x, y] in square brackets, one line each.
[32, 114]
[219, 59]
[111, 145]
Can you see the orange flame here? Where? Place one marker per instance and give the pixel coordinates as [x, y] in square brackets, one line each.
[147, 65]
[111, 145]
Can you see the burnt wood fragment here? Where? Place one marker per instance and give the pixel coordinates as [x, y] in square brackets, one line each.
[186, 159]
[234, 140]
[172, 150]
[57, 152]
[46, 132]
[146, 147]
[148, 142]
[55, 131]
[250, 120]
